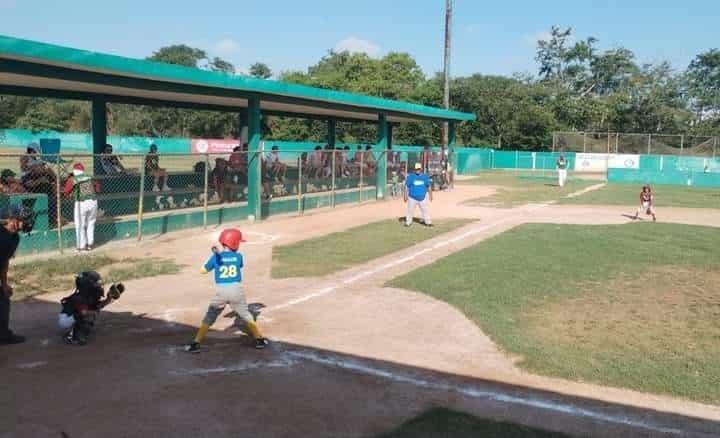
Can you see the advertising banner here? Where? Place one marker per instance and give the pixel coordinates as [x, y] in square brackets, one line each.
[624, 161]
[213, 146]
[591, 162]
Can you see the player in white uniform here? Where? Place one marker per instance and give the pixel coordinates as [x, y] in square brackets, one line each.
[227, 264]
[561, 165]
[646, 203]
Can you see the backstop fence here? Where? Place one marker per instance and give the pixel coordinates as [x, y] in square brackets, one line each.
[149, 194]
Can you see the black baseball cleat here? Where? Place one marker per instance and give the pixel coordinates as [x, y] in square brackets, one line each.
[12, 339]
[261, 343]
[193, 347]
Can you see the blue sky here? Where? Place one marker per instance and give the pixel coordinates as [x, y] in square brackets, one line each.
[495, 37]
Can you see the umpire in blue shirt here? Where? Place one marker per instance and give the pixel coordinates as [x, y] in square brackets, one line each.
[418, 189]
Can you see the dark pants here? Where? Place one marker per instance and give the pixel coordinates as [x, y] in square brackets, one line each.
[4, 316]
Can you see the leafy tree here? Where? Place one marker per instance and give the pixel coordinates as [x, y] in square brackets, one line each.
[703, 77]
[260, 70]
[179, 54]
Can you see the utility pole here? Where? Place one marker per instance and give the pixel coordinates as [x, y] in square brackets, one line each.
[446, 73]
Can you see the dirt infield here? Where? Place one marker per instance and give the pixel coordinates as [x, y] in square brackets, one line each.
[349, 358]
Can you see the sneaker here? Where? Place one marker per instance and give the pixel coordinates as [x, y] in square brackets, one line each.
[261, 343]
[166, 189]
[156, 189]
[407, 224]
[12, 339]
[193, 347]
[428, 225]
[89, 248]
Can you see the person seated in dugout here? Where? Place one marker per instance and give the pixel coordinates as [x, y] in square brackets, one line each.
[238, 163]
[111, 164]
[9, 184]
[152, 168]
[276, 168]
[36, 175]
[220, 176]
[316, 163]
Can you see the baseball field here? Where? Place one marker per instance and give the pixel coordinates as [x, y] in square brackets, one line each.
[526, 311]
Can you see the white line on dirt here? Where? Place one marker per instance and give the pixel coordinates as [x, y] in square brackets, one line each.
[31, 365]
[474, 392]
[585, 190]
[285, 362]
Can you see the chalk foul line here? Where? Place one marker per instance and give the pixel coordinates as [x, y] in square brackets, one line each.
[289, 359]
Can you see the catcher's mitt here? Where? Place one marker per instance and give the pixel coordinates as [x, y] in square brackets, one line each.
[648, 211]
[115, 291]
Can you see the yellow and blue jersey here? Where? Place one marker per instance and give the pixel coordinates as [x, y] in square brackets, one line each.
[227, 266]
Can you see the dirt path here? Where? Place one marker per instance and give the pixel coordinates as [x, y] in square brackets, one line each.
[350, 357]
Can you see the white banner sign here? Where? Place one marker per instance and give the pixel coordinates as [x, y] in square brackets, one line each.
[624, 161]
[591, 162]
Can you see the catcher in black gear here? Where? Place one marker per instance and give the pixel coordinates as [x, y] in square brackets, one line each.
[80, 310]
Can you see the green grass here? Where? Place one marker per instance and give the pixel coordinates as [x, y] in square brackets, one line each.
[665, 196]
[58, 274]
[337, 251]
[514, 190]
[446, 423]
[633, 305]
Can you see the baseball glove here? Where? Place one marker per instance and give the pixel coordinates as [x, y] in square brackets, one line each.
[115, 291]
[648, 211]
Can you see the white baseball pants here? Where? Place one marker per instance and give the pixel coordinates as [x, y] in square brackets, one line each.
[85, 217]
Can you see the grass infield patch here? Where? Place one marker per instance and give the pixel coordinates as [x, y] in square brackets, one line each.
[665, 196]
[514, 190]
[58, 274]
[634, 306]
[441, 422]
[337, 251]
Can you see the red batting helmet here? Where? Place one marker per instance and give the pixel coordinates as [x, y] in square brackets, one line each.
[231, 238]
[79, 166]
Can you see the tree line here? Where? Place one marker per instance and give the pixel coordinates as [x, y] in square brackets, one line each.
[578, 87]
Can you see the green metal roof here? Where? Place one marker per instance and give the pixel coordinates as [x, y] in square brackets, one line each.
[36, 65]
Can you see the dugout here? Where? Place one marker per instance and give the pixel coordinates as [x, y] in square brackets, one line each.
[30, 68]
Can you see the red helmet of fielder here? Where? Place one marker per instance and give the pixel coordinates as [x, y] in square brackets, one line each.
[231, 238]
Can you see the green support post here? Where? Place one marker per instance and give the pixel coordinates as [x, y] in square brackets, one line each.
[451, 158]
[254, 160]
[381, 164]
[99, 129]
[331, 125]
[141, 203]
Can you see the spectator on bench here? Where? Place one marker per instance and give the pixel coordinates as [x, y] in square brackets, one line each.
[276, 168]
[219, 176]
[111, 164]
[152, 168]
[369, 161]
[38, 177]
[316, 163]
[239, 163]
[9, 184]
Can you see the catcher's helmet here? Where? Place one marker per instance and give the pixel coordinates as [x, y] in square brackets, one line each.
[88, 280]
[231, 238]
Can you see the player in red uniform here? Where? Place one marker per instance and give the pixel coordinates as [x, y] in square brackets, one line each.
[646, 203]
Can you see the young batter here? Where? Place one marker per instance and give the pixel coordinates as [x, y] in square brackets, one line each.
[227, 265]
[646, 203]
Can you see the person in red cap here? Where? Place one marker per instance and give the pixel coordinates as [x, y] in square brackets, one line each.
[83, 191]
[227, 264]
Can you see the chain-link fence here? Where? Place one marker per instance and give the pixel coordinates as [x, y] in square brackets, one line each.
[81, 201]
[637, 144]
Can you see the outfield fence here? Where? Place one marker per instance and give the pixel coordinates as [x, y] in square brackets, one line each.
[636, 143]
[141, 195]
